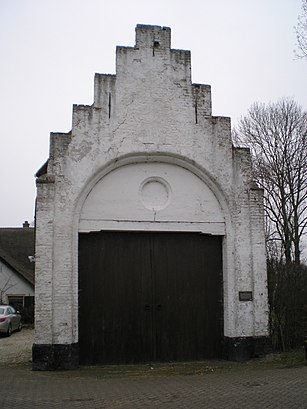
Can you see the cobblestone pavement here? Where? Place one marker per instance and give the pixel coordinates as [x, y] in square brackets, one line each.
[254, 389]
[96, 388]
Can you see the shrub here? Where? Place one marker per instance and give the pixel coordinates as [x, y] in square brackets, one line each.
[287, 284]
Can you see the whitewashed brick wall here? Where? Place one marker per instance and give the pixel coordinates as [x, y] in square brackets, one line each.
[150, 112]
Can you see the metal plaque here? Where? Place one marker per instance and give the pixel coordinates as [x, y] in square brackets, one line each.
[245, 296]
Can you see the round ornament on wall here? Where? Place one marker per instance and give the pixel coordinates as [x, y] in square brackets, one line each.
[155, 193]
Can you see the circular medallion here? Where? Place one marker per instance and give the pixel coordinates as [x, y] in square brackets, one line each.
[155, 193]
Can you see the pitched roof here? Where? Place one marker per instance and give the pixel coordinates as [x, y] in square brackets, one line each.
[16, 245]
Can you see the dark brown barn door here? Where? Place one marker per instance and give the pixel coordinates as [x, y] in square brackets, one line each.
[187, 273]
[113, 321]
[149, 297]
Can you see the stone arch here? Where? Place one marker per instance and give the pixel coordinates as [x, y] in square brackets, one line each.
[168, 160]
[206, 178]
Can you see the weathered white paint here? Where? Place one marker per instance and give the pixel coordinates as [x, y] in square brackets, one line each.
[153, 196]
[148, 123]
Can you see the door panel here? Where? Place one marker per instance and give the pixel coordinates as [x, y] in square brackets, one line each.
[149, 297]
[187, 273]
[114, 325]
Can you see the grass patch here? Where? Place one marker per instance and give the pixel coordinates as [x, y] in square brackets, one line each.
[291, 359]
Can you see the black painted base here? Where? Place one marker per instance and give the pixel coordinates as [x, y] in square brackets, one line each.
[52, 357]
[244, 348]
[46, 357]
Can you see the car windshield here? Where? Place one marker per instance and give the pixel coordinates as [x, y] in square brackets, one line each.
[1, 310]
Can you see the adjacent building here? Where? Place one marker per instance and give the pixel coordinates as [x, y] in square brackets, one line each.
[17, 269]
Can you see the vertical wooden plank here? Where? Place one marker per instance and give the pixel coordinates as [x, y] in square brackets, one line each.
[213, 266]
[114, 322]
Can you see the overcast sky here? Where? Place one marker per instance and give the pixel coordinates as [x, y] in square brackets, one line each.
[50, 50]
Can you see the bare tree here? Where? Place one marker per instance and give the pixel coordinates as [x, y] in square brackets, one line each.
[5, 287]
[276, 134]
[301, 32]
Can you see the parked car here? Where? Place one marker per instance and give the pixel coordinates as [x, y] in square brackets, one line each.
[10, 320]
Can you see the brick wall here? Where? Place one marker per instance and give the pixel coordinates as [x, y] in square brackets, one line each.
[149, 112]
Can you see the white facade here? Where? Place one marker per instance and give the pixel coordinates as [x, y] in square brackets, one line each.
[11, 284]
[148, 155]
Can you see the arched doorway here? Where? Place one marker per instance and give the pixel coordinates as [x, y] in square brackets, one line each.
[151, 288]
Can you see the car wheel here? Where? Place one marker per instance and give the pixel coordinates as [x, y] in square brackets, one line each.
[19, 327]
[9, 331]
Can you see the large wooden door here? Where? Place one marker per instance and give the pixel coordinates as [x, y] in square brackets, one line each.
[187, 274]
[147, 297]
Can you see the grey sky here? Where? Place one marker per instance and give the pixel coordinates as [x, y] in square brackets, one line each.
[50, 50]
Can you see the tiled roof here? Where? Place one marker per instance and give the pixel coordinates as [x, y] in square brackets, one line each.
[16, 245]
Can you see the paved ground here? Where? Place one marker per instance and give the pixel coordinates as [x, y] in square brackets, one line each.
[213, 387]
[17, 348]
